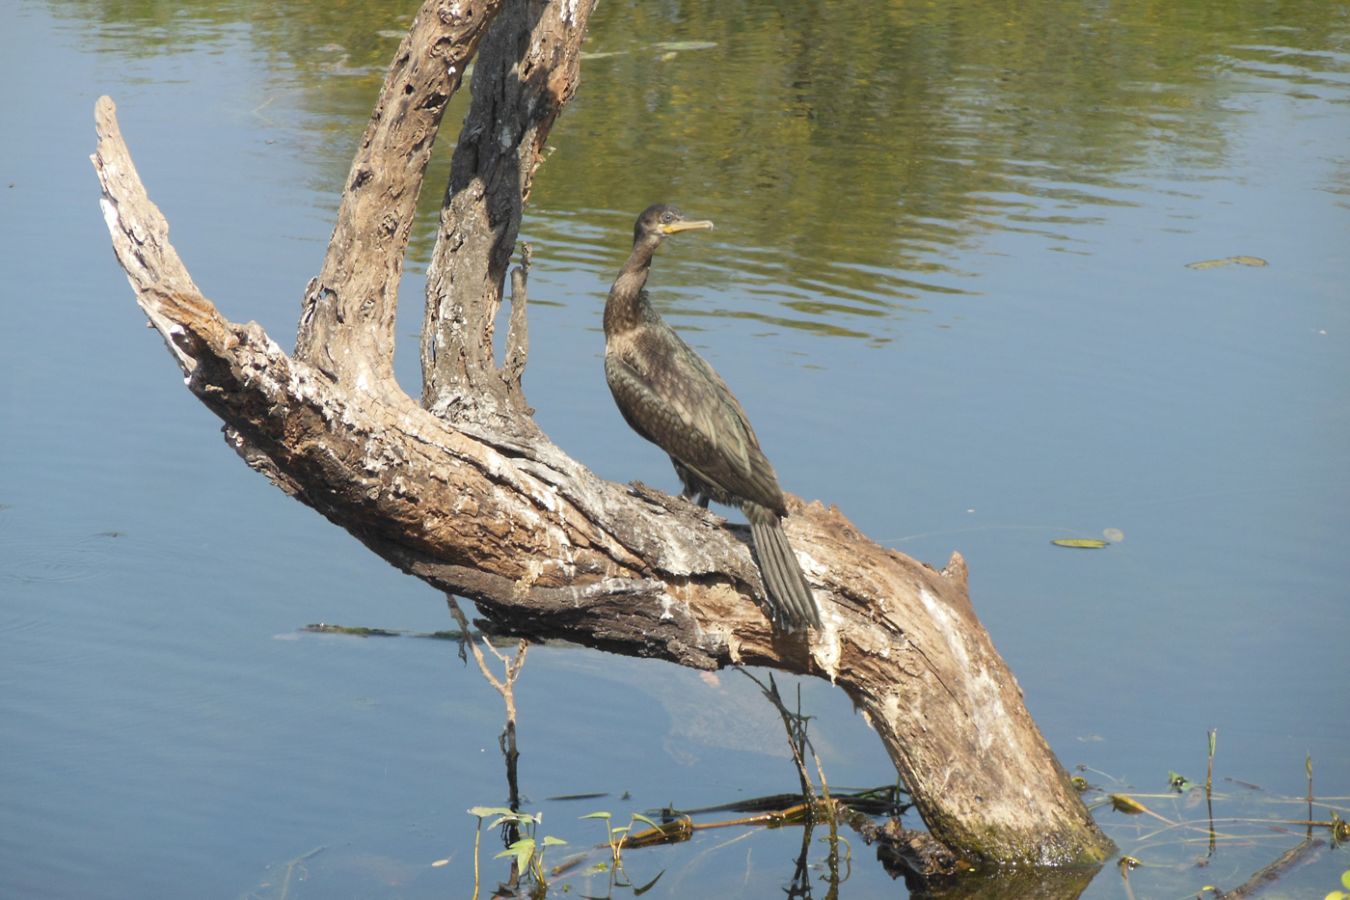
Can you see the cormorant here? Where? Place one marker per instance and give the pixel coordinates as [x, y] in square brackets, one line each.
[673, 398]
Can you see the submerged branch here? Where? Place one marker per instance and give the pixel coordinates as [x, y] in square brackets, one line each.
[1305, 853]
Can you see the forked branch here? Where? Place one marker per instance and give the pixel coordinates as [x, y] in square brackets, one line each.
[473, 499]
[347, 321]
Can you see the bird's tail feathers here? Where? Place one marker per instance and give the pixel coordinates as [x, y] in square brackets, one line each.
[791, 604]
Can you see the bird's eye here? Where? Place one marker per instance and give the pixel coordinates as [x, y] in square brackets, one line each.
[667, 216]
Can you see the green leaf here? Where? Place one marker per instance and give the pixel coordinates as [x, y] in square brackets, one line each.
[522, 850]
[551, 841]
[595, 815]
[1081, 543]
[641, 818]
[513, 817]
[483, 812]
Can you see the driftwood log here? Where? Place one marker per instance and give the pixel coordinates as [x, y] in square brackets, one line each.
[463, 491]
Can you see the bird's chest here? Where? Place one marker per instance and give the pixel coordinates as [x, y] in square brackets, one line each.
[643, 354]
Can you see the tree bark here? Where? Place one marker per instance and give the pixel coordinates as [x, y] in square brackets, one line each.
[347, 317]
[464, 492]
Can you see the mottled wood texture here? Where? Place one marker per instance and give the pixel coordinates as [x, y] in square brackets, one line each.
[463, 491]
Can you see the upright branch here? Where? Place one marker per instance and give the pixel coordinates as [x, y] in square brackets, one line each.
[347, 319]
[527, 69]
[474, 500]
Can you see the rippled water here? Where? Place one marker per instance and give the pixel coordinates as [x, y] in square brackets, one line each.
[949, 282]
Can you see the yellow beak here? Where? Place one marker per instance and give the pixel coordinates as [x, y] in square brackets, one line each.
[687, 225]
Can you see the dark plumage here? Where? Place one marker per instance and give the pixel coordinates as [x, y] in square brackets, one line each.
[673, 398]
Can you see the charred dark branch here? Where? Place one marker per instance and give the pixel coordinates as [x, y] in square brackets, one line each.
[527, 69]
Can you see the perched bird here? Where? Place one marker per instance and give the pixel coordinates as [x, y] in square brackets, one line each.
[673, 398]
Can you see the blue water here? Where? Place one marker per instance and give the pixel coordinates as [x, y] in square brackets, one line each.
[1051, 371]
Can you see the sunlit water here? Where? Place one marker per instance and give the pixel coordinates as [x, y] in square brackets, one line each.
[950, 284]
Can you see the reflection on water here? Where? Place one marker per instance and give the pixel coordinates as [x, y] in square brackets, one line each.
[890, 140]
[990, 208]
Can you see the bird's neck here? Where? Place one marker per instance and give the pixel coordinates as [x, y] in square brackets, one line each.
[625, 308]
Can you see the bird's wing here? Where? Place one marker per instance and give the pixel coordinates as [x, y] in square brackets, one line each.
[673, 398]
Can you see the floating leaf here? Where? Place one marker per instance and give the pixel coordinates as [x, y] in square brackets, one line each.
[1114, 535]
[1081, 543]
[685, 45]
[1178, 783]
[595, 815]
[1254, 261]
[1127, 804]
[440, 862]
[551, 841]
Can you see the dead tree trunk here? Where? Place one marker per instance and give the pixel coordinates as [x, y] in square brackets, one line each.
[464, 492]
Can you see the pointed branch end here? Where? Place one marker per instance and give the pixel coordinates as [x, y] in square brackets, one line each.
[956, 569]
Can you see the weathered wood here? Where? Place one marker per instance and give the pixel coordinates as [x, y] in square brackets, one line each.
[347, 319]
[472, 499]
[526, 70]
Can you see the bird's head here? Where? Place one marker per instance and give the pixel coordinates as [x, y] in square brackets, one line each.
[662, 220]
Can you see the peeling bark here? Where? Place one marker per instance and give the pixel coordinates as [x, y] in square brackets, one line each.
[465, 493]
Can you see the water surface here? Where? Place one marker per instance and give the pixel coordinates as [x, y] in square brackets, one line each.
[949, 283]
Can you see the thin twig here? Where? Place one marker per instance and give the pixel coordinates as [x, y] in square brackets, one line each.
[511, 666]
[833, 812]
[1307, 765]
[1209, 786]
[505, 686]
[795, 725]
